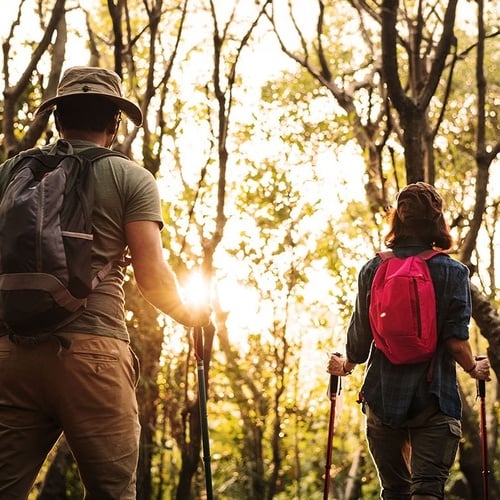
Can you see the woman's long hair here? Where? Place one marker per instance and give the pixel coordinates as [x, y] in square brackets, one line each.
[419, 215]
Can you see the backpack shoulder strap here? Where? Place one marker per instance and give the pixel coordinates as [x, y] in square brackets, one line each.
[426, 254]
[93, 154]
[96, 153]
[25, 154]
[29, 152]
[386, 255]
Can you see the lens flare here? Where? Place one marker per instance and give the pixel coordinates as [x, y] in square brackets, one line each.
[196, 289]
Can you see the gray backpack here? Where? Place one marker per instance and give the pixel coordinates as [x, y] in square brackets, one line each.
[46, 242]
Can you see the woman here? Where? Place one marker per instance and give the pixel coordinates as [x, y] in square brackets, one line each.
[411, 407]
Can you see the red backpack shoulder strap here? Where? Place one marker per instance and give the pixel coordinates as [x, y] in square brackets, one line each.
[386, 255]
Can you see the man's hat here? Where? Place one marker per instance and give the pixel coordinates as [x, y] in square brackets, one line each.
[86, 80]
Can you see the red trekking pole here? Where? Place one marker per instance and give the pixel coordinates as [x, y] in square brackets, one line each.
[334, 389]
[481, 393]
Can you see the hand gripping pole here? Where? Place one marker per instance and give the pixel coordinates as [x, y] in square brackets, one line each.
[481, 394]
[334, 389]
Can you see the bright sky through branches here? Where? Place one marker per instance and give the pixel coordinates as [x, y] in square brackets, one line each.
[338, 173]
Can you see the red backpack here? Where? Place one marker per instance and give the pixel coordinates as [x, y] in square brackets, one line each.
[403, 308]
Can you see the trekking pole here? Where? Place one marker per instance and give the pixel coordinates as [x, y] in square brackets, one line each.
[202, 398]
[481, 393]
[334, 388]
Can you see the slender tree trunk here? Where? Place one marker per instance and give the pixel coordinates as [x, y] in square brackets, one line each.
[54, 485]
[413, 107]
[354, 480]
[413, 124]
[470, 450]
[14, 94]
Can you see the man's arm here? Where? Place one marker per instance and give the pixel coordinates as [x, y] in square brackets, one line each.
[155, 279]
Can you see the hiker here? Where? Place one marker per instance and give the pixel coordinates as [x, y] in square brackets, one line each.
[413, 410]
[81, 381]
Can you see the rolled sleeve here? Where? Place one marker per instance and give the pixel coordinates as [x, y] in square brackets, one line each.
[459, 306]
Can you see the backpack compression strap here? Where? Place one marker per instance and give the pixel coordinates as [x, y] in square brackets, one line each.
[426, 254]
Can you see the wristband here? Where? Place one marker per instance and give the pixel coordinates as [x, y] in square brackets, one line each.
[344, 370]
[472, 369]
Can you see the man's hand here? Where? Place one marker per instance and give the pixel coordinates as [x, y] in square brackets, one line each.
[201, 314]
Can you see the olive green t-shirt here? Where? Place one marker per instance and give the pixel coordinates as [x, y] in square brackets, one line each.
[124, 192]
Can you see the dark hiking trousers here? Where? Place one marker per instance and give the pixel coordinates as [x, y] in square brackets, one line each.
[414, 458]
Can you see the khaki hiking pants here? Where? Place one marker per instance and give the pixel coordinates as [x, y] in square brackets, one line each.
[86, 391]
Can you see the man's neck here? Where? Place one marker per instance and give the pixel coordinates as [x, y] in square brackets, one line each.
[99, 138]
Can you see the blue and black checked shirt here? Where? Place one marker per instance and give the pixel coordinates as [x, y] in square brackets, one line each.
[398, 392]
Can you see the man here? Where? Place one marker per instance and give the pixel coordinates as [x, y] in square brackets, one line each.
[412, 407]
[87, 391]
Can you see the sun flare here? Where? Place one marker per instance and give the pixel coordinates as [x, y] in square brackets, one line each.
[196, 289]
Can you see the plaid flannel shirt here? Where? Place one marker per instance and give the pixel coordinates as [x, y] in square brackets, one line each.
[398, 392]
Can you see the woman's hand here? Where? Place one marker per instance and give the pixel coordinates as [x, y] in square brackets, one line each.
[481, 369]
[339, 365]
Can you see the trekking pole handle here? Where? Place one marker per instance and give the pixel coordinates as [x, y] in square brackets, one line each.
[334, 387]
[481, 384]
[481, 388]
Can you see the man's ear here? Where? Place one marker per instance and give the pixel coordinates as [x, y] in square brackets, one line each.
[58, 123]
[112, 128]
[114, 123]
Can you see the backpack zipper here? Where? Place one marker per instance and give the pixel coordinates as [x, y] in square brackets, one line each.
[417, 303]
[39, 225]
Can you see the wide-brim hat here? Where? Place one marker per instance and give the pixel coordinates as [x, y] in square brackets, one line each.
[87, 80]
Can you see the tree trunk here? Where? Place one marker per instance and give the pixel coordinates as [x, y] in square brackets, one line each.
[54, 485]
[488, 320]
[15, 96]
[413, 124]
[190, 453]
[470, 450]
[146, 338]
[354, 480]
[413, 107]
